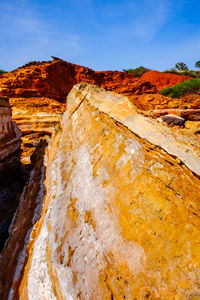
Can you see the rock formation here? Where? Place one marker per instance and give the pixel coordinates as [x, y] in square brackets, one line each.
[38, 91]
[120, 216]
[56, 78]
[10, 183]
[162, 80]
[10, 136]
[14, 254]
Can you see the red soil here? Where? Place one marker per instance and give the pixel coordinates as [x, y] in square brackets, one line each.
[163, 80]
[56, 78]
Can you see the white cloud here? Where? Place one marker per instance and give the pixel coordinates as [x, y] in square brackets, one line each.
[139, 19]
[28, 37]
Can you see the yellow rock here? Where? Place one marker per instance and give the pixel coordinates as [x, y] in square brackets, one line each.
[120, 216]
[192, 124]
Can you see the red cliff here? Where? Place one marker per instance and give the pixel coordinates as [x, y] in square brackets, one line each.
[163, 80]
[56, 78]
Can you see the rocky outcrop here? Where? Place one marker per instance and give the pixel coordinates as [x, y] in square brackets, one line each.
[156, 105]
[14, 256]
[120, 217]
[10, 181]
[10, 136]
[56, 78]
[37, 114]
[38, 91]
[162, 80]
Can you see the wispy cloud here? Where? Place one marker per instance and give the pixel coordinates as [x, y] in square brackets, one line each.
[32, 36]
[137, 19]
[156, 15]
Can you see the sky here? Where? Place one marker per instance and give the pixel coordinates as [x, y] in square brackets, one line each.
[100, 34]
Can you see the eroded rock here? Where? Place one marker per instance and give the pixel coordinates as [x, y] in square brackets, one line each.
[10, 136]
[120, 216]
[11, 178]
[162, 80]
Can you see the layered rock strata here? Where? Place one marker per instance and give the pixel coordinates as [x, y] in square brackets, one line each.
[10, 181]
[38, 91]
[56, 78]
[120, 217]
[10, 136]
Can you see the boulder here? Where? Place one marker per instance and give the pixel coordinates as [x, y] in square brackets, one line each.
[172, 119]
[120, 217]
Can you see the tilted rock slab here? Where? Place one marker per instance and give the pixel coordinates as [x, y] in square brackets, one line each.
[120, 217]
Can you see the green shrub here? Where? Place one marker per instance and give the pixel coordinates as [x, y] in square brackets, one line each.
[137, 71]
[182, 88]
[3, 72]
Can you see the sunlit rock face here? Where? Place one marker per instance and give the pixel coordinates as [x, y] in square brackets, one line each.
[162, 80]
[38, 91]
[120, 216]
[54, 80]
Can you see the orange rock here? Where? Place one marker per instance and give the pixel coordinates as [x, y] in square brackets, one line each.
[163, 80]
[56, 78]
[120, 216]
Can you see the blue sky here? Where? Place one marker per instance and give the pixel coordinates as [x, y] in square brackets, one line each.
[102, 35]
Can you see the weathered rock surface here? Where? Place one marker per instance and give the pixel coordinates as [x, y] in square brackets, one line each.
[56, 78]
[38, 91]
[10, 183]
[163, 80]
[120, 217]
[155, 105]
[14, 256]
[10, 136]
[36, 114]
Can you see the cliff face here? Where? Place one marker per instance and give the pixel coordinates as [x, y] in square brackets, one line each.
[10, 183]
[10, 136]
[14, 256]
[162, 80]
[38, 91]
[120, 217]
[55, 79]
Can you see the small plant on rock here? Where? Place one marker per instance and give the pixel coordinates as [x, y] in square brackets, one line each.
[137, 71]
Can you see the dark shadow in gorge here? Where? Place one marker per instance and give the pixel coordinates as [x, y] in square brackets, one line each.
[27, 214]
[12, 181]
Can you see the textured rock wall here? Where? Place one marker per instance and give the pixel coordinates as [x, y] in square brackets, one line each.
[38, 91]
[10, 181]
[55, 79]
[14, 255]
[120, 216]
[162, 80]
[10, 135]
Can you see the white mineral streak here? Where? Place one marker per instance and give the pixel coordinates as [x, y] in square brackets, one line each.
[39, 281]
[149, 129]
[39, 198]
[90, 247]
[37, 212]
[132, 154]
